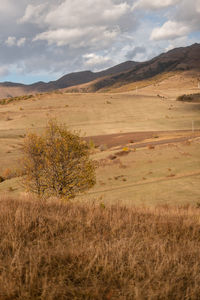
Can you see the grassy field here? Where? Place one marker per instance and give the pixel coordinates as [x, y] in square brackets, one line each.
[147, 179]
[166, 174]
[84, 251]
[135, 234]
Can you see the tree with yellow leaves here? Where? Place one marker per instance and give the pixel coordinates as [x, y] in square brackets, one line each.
[57, 162]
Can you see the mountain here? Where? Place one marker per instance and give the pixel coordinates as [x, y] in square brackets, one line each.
[9, 89]
[179, 59]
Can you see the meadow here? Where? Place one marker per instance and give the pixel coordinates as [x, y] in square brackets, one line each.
[168, 173]
[135, 234]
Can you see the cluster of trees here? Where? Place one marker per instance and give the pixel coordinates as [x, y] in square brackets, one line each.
[57, 162]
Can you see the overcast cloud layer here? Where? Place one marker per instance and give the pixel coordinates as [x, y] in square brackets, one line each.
[42, 40]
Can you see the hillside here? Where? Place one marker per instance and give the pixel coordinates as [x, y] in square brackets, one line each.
[9, 89]
[182, 59]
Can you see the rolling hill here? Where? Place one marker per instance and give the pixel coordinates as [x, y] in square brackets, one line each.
[182, 59]
[9, 89]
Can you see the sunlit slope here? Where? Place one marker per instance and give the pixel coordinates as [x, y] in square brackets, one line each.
[184, 61]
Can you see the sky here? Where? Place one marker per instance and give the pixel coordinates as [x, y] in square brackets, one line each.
[43, 40]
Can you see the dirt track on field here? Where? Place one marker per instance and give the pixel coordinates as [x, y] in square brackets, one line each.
[138, 139]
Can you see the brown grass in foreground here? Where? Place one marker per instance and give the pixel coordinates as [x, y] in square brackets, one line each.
[82, 251]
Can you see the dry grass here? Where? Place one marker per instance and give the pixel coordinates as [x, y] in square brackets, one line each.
[85, 251]
[14, 99]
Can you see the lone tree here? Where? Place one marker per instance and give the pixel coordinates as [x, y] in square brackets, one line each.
[57, 162]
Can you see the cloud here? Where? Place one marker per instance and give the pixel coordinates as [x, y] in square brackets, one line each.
[80, 23]
[79, 13]
[179, 42]
[93, 60]
[21, 42]
[33, 13]
[185, 20]
[79, 37]
[55, 37]
[136, 50]
[12, 41]
[170, 30]
[153, 4]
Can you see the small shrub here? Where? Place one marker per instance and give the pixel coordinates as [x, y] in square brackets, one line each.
[151, 147]
[1, 179]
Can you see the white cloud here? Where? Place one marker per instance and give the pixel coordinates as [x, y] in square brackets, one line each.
[33, 13]
[78, 37]
[83, 13]
[70, 35]
[179, 42]
[80, 23]
[153, 4]
[93, 59]
[169, 30]
[21, 42]
[12, 41]
[185, 20]
[7, 8]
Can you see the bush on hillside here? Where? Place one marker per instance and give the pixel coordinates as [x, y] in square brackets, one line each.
[57, 163]
[189, 98]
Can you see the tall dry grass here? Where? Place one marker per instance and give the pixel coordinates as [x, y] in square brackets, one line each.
[81, 251]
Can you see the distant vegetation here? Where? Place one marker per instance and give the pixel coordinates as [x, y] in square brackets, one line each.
[189, 98]
[14, 99]
[57, 163]
[84, 251]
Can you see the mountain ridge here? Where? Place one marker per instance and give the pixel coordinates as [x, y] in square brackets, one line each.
[68, 80]
[177, 59]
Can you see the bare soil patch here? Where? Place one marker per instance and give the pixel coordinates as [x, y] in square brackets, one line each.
[136, 138]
